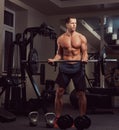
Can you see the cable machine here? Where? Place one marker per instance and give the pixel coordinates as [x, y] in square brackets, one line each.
[22, 41]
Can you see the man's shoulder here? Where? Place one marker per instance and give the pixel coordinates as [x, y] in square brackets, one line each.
[59, 39]
[61, 36]
[80, 34]
[82, 37]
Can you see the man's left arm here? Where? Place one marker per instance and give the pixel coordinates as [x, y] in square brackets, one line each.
[84, 50]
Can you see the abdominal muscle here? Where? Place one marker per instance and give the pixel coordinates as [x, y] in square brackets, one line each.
[72, 55]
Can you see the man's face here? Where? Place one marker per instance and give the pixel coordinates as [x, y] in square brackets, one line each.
[71, 26]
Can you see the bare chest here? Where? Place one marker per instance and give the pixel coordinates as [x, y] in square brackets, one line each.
[71, 42]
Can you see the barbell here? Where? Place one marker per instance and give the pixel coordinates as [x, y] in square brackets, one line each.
[61, 61]
[33, 62]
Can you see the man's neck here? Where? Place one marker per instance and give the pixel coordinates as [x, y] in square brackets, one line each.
[70, 33]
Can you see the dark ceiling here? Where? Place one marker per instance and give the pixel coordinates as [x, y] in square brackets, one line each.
[56, 7]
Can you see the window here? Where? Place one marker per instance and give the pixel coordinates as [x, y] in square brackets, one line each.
[7, 41]
[9, 31]
[8, 18]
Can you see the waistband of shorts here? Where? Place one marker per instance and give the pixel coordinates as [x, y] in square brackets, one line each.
[69, 63]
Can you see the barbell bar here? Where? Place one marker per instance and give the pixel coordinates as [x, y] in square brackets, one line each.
[61, 61]
[34, 63]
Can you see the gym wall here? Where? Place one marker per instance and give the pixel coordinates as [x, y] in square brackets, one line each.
[29, 17]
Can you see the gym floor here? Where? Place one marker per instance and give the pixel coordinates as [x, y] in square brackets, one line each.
[103, 120]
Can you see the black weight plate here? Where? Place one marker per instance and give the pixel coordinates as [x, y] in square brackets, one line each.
[32, 61]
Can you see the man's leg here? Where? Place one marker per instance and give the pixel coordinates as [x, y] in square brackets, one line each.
[59, 101]
[82, 102]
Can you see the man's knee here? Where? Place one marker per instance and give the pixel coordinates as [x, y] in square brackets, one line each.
[80, 94]
[60, 92]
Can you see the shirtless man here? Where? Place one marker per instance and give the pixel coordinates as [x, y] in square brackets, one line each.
[71, 46]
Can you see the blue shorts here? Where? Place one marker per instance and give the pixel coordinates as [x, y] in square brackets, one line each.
[71, 71]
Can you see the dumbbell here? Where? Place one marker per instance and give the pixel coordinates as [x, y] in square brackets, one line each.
[82, 122]
[65, 121]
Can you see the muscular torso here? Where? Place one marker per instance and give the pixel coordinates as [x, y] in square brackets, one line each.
[70, 46]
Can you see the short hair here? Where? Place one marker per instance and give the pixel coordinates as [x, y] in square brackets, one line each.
[67, 20]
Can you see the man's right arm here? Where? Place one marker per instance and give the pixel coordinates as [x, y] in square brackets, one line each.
[58, 55]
